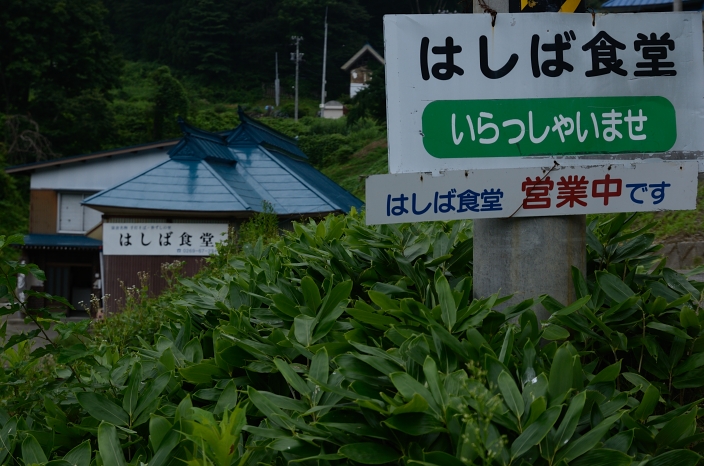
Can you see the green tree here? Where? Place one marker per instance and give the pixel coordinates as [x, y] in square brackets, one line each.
[202, 39]
[52, 51]
[169, 102]
[370, 101]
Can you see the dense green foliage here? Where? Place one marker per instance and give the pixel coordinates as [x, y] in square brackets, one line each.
[57, 63]
[347, 344]
[62, 74]
[231, 45]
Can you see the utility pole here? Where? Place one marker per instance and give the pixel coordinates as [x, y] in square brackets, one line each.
[277, 91]
[677, 5]
[325, 56]
[297, 57]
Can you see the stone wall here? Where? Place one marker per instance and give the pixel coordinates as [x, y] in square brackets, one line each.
[683, 255]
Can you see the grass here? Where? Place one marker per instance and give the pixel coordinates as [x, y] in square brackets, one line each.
[677, 225]
[372, 159]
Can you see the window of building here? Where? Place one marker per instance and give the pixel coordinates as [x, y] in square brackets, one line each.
[73, 217]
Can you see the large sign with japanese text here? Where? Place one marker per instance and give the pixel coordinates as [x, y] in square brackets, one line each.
[464, 95]
[531, 192]
[162, 239]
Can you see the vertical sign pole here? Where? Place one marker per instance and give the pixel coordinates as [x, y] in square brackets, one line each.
[276, 80]
[325, 56]
[527, 257]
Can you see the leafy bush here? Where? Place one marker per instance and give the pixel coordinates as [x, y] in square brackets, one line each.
[263, 226]
[347, 344]
[319, 147]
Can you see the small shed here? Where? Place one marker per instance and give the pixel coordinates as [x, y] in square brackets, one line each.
[333, 110]
[358, 68]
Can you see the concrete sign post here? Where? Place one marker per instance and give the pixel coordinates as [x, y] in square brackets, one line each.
[471, 102]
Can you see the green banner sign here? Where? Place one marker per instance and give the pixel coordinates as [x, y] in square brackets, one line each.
[569, 126]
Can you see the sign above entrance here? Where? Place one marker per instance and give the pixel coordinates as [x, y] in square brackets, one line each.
[531, 192]
[162, 239]
[464, 95]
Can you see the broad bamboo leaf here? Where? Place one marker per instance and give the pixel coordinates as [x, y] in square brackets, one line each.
[158, 428]
[415, 423]
[383, 300]
[439, 458]
[303, 330]
[292, 378]
[669, 329]
[621, 441]
[603, 456]
[163, 454]
[311, 293]
[676, 458]
[227, 399]
[679, 283]
[569, 422]
[447, 301]
[587, 441]
[689, 318]
[320, 366]
[408, 387]
[536, 432]
[131, 393]
[555, 332]
[430, 370]
[512, 397]
[79, 455]
[560, 379]
[537, 407]
[675, 429]
[613, 287]
[332, 299]
[102, 408]
[203, 372]
[109, 445]
[416, 405]
[575, 306]
[285, 305]
[369, 453]
[607, 374]
[32, 452]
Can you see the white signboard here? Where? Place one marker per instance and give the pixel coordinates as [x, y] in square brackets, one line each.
[531, 192]
[463, 95]
[162, 239]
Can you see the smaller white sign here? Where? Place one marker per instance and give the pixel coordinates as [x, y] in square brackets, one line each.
[531, 192]
[162, 239]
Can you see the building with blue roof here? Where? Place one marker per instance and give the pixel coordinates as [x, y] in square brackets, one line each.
[98, 220]
[635, 6]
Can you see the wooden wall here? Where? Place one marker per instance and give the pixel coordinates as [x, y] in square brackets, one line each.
[127, 268]
[43, 211]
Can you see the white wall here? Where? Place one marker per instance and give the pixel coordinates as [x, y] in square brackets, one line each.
[356, 87]
[98, 174]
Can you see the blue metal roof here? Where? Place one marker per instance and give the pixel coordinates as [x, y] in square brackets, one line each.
[636, 5]
[207, 174]
[36, 241]
[179, 184]
[200, 144]
[250, 131]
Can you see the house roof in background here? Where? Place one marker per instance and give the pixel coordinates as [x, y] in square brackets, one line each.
[366, 49]
[92, 156]
[252, 132]
[60, 241]
[647, 5]
[234, 173]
